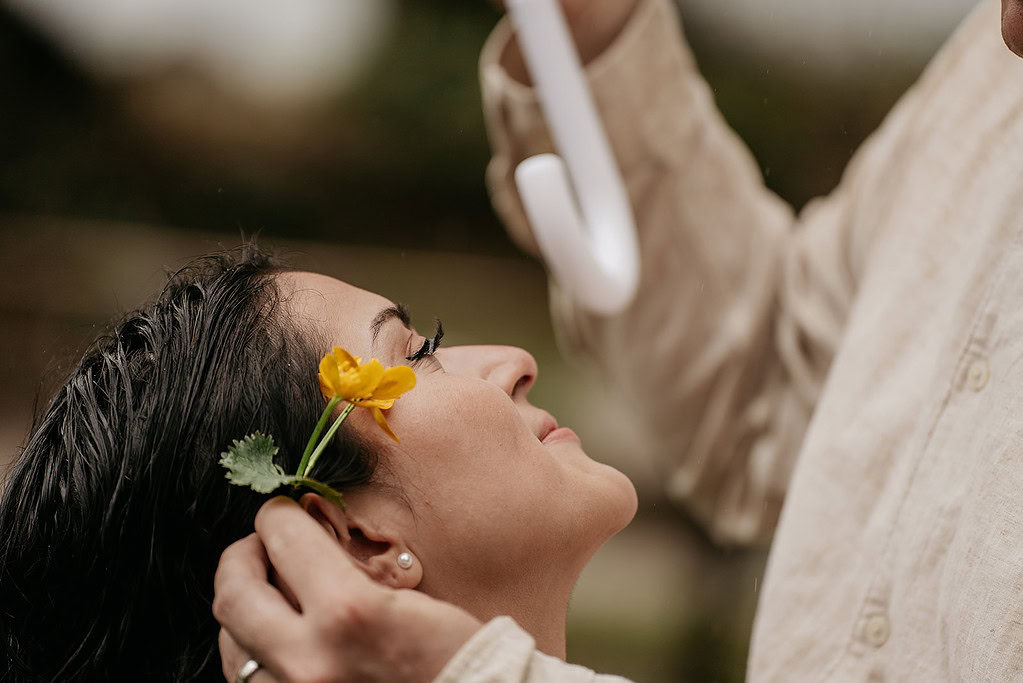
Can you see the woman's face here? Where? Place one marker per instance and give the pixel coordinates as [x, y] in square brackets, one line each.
[500, 507]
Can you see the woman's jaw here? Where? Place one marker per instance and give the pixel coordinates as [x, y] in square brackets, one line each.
[500, 506]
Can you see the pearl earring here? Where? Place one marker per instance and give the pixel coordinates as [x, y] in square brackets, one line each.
[405, 560]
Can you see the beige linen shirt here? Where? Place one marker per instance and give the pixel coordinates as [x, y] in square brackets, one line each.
[862, 361]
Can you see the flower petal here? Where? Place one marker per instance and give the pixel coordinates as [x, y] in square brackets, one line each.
[350, 385]
[377, 403]
[330, 379]
[395, 382]
[378, 415]
[345, 361]
[369, 375]
[325, 388]
[369, 385]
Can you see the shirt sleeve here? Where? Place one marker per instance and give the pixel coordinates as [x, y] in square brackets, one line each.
[741, 305]
[501, 652]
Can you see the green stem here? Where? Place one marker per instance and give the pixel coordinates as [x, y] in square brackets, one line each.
[328, 436]
[322, 489]
[304, 465]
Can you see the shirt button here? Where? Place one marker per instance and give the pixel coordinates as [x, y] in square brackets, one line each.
[978, 374]
[877, 629]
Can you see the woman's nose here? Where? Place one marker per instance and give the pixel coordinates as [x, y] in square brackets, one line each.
[509, 367]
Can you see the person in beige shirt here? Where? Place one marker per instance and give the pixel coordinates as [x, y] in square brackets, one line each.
[861, 362]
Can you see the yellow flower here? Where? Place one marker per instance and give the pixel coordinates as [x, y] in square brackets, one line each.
[366, 385]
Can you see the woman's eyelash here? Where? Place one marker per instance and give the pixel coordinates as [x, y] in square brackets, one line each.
[430, 345]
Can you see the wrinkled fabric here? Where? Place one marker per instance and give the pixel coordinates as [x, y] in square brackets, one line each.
[501, 652]
[861, 362]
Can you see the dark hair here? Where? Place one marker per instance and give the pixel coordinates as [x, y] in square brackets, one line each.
[116, 513]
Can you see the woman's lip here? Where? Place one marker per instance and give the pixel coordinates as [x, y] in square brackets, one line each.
[560, 434]
[548, 425]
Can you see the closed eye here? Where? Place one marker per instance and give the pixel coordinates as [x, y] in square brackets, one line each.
[430, 345]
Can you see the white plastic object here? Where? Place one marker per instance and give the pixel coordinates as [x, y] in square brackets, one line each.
[590, 246]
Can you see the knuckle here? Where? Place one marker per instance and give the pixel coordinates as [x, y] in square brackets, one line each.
[269, 510]
[345, 614]
[335, 621]
[218, 608]
[222, 605]
[262, 514]
[230, 559]
[354, 622]
[312, 669]
[231, 550]
[223, 565]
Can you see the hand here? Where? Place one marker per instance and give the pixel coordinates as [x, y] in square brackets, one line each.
[574, 9]
[345, 627]
[594, 25]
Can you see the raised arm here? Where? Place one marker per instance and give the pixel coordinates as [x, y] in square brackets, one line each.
[740, 306]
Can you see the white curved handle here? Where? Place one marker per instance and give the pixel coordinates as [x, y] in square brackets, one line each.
[594, 256]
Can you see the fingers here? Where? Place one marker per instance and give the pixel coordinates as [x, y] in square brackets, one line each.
[299, 549]
[245, 559]
[233, 658]
[244, 600]
[346, 628]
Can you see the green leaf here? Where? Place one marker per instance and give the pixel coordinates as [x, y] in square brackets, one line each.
[250, 462]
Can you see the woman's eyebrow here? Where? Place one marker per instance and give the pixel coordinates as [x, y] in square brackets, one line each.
[398, 312]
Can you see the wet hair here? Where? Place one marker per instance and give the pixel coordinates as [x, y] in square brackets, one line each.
[115, 514]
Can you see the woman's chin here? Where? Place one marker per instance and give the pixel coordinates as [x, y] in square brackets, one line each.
[608, 496]
[627, 498]
[617, 503]
[617, 495]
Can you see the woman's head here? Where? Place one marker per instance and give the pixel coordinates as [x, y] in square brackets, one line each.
[115, 515]
[500, 510]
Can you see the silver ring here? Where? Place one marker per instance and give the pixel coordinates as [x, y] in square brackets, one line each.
[248, 668]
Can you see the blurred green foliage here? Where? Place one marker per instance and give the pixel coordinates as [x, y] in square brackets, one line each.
[396, 161]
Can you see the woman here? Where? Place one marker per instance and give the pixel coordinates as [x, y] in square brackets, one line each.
[115, 515]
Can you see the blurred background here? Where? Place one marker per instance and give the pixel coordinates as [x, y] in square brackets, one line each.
[348, 134]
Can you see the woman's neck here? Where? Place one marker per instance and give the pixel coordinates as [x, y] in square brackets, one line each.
[547, 630]
[538, 602]
[540, 610]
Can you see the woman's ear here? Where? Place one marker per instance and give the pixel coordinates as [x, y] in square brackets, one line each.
[374, 544]
[329, 516]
